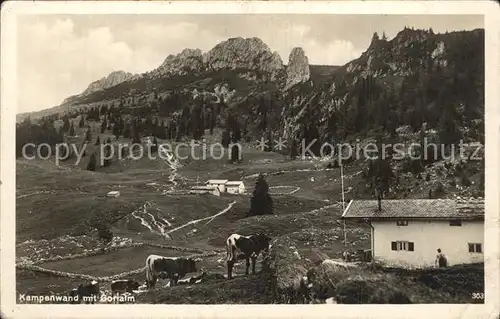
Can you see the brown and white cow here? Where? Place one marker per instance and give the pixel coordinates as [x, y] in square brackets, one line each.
[249, 248]
[172, 268]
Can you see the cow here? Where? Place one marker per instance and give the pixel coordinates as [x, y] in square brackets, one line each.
[90, 290]
[124, 285]
[249, 248]
[172, 268]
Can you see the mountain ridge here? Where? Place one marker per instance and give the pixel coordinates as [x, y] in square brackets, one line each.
[388, 65]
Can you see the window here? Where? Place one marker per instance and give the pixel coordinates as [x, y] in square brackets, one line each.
[402, 223]
[456, 222]
[402, 245]
[475, 248]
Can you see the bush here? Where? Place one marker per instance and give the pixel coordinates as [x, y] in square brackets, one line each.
[465, 180]
[439, 190]
[104, 233]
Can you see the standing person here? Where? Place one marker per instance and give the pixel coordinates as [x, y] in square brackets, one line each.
[441, 259]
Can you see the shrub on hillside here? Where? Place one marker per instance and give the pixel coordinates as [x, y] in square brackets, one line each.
[413, 166]
[104, 233]
[465, 180]
[439, 191]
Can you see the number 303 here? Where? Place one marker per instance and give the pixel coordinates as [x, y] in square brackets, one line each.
[477, 295]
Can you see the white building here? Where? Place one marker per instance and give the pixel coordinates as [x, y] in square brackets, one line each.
[235, 187]
[407, 233]
[205, 190]
[219, 183]
[225, 186]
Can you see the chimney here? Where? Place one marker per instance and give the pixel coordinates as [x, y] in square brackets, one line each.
[379, 203]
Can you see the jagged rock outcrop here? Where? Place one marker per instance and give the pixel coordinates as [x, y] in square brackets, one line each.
[389, 65]
[189, 60]
[250, 53]
[114, 78]
[297, 70]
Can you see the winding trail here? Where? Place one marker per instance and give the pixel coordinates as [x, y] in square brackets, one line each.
[295, 189]
[174, 164]
[154, 224]
[35, 193]
[209, 218]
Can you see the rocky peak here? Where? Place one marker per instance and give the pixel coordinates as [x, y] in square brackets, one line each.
[251, 53]
[297, 70]
[188, 60]
[114, 78]
[407, 35]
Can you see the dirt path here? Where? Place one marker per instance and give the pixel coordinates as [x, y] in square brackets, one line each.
[209, 218]
[35, 193]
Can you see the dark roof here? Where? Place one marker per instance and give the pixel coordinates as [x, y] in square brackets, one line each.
[416, 208]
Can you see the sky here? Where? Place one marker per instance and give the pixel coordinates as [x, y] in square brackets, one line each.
[60, 55]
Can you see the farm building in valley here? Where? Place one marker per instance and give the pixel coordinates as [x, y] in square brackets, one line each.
[224, 185]
[205, 190]
[235, 187]
[407, 233]
[219, 183]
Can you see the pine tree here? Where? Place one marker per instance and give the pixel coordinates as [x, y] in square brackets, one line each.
[126, 131]
[104, 125]
[236, 136]
[71, 130]
[116, 130]
[154, 147]
[92, 163]
[82, 122]
[88, 136]
[226, 138]
[293, 149]
[269, 144]
[107, 153]
[235, 154]
[66, 124]
[136, 139]
[261, 202]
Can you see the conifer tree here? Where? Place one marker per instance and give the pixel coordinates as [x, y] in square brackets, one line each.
[88, 136]
[81, 124]
[92, 163]
[261, 202]
[104, 125]
[226, 138]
